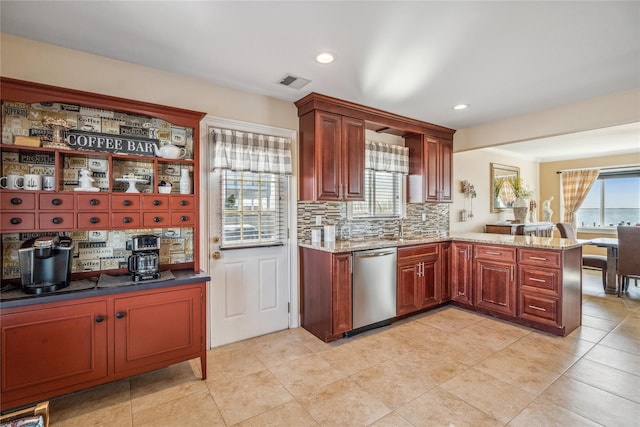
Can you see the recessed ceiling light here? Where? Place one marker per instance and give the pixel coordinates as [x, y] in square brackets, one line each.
[461, 106]
[324, 58]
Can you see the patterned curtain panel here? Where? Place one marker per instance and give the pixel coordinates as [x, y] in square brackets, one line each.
[386, 158]
[575, 187]
[244, 151]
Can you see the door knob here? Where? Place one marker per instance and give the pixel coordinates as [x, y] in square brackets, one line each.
[216, 255]
[215, 239]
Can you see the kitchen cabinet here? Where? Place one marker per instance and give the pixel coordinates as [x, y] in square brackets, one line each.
[418, 279]
[540, 279]
[445, 275]
[331, 157]
[462, 272]
[430, 169]
[495, 281]
[326, 293]
[54, 348]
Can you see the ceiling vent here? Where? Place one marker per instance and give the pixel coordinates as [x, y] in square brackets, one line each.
[295, 82]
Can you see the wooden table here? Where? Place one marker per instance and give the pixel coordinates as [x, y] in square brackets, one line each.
[539, 229]
[612, 261]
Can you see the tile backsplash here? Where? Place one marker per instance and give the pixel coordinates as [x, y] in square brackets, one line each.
[335, 213]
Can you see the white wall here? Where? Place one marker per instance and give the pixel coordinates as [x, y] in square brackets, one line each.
[474, 166]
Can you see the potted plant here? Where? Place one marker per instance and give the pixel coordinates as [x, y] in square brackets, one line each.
[521, 205]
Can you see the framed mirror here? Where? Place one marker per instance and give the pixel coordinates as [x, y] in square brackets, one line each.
[502, 179]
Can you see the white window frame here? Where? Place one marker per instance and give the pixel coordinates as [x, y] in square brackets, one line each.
[400, 194]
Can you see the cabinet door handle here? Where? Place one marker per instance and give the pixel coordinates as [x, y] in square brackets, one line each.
[94, 220]
[533, 279]
[120, 314]
[184, 218]
[57, 220]
[126, 202]
[493, 253]
[16, 201]
[56, 202]
[15, 221]
[538, 258]
[535, 307]
[126, 220]
[183, 203]
[157, 219]
[99, 319]
[156, 202]
[94, 202]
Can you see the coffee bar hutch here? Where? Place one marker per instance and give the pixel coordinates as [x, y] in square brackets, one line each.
[88, 334]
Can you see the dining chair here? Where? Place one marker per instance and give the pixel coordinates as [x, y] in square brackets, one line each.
[628, 255]
[599, 262]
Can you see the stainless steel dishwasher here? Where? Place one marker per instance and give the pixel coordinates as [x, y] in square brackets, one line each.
[374, 287]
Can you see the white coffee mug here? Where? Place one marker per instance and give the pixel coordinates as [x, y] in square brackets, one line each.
[12, 182]
[32, 182]
[48, 182]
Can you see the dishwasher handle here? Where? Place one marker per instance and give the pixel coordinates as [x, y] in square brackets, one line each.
[373, 254]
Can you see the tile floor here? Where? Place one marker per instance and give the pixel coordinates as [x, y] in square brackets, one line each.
[447, 367]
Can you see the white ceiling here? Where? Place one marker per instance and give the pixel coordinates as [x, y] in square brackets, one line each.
[417, 59]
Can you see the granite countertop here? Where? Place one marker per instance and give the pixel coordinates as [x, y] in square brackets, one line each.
[488, 238]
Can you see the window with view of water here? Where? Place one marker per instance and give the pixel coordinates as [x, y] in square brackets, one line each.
[252, 212]
[382, 196]
[613, 200]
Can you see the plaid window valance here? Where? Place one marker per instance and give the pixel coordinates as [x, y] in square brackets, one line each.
[245, 151]
[386, 158]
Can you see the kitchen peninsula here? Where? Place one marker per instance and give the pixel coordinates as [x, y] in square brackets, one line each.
[532, 281]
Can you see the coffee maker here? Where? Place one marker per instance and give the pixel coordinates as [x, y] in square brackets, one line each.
[144, 262]
[45, 264]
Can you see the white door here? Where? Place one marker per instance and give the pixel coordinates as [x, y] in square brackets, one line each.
[250, 286]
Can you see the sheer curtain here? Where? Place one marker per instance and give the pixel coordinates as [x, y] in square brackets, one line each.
[575, 187]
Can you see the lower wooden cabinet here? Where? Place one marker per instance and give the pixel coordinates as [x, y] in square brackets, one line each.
[326, 293]
[418, 278]
[55, 348]
[495, 279]
[462, 272]
[445, 275]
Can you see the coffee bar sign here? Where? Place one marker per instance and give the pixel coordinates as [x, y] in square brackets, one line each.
[109, 143]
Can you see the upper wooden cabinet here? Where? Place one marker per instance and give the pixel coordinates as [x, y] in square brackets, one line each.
[430, 169]
[332, 153]
[331, 157]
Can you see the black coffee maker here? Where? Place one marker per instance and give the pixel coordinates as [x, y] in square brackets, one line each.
[45, 264]
[144, 262]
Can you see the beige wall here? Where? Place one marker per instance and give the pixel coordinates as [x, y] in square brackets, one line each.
[474, 167]
[43, 63]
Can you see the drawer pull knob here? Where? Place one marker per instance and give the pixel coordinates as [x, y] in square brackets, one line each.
[126, 202]
[535, 307]
[16, 201]
[99, 319]
[15, 221]
[538, 258]
[57, 220]
[183, 203]
[157, 219]
[56, 202]
[494, 253]
[120, 314]
[94, 220]
[94, 202]
[533, 279]
[156, 202]
[126, 220]
[184, 218]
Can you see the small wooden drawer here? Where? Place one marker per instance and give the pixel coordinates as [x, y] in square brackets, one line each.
[99, 220]
[539, 257]
[156, 219]
[92, 202]
[182, 219]
[56, 201]
[418, 251]
[540, 278]
[495, 253]
[120, 202]
[125, 219]
[183, 202]
[17, 200]
[55, 220]
[155, 202]
[17, 221]
[539, 308]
